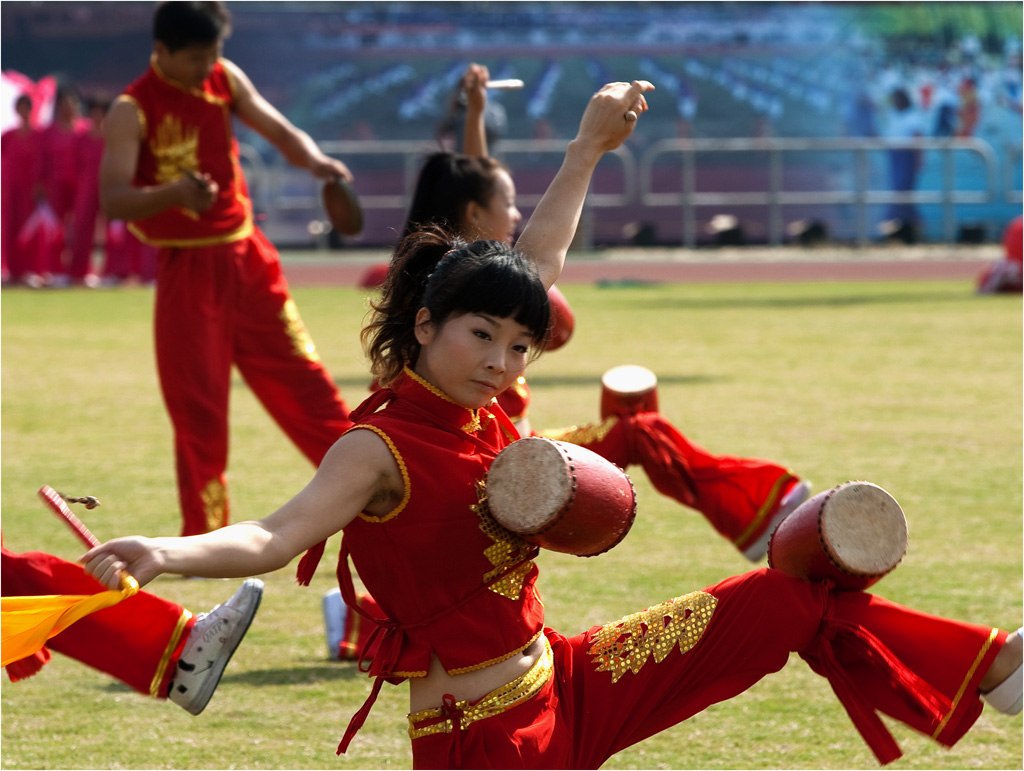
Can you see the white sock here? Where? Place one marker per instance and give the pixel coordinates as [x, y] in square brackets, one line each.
[1007, 697]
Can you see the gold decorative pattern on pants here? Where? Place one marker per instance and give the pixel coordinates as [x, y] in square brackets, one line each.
[626, 645]
[302, 343]
[526, 686]
[215, 504]
[589, 433]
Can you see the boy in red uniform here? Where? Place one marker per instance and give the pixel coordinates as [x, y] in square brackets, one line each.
[490, 685]
[171, 168]
[152, 645]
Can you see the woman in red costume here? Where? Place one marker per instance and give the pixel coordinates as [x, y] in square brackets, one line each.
[21, 192]
[743, 499]
[490, 685]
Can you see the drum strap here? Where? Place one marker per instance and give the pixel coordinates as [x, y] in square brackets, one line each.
[839, 645]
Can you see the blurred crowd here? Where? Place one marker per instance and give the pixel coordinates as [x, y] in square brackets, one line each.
[53, 232]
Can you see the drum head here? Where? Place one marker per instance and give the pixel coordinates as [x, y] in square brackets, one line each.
[864, 528]
[528, 485]
[629, 379]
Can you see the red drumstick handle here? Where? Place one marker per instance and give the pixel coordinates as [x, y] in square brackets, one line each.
[61, 509]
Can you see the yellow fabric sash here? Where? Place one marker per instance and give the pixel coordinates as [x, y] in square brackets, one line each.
[28, 622]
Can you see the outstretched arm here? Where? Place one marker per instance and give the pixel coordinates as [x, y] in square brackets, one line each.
[358, 473]
[608, 120]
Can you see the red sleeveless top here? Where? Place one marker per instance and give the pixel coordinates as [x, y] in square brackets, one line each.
[190, 130]
[452, 581]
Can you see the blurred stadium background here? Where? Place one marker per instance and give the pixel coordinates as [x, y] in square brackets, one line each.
[770, 125]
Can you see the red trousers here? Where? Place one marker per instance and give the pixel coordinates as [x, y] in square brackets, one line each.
[736, 495]
[227, 305]
[138, 641]
[616, 685]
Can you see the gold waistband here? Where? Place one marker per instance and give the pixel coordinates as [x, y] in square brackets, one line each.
[432, 721]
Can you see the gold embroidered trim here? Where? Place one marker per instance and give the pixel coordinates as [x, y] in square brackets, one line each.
[768, 507]
[585, 434]
[215, 502]
[496, 659]
[472, 426]
[626, 645]
[165, 659]
[401, 468]
[967, 679]
[243, 231]
[499, 700]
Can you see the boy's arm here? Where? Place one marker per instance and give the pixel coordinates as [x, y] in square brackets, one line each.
[297, 147]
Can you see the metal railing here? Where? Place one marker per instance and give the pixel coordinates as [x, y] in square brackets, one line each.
[861, 195]
[280, 188]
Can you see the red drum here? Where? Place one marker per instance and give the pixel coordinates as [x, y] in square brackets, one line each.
[563, 322]
[627, 390]
[560, 496]
[851, 535]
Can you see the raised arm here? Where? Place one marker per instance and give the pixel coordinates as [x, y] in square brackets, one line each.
[297, 147]
[358, 473]
[474, 136]
[608, 120]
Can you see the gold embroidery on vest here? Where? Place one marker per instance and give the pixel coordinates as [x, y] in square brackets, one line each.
[626, 645]
[175, 149]
[215, 504]
[302, 343]
[585, 434]
[506, 549]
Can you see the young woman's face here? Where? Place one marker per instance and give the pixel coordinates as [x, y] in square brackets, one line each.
[472, 357]
[189, 66]
[499, 220]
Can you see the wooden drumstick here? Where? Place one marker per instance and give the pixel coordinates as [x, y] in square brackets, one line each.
[504, 84]
[61, 509]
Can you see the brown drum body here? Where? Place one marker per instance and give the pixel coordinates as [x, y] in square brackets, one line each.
[628, 390]
[852, 535]
[560, 496]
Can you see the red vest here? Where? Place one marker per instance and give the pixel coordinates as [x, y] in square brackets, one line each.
[452, 582]
[190, 129]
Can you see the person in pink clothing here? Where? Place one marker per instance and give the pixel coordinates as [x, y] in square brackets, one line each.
[86, 207]
[19, 149]
[60, 176]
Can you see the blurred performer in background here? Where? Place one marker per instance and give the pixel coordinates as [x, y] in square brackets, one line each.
[19, 150]
[171, 169]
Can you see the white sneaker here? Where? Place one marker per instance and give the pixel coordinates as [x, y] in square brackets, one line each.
[209, 647]
[1008, 696]
[800, 493]
[335, 611]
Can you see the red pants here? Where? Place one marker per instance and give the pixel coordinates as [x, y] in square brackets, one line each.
[736, 495]
[616, 685]
[138, 641]
[223, 305]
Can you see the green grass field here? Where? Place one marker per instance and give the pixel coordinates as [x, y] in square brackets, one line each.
[914, 386]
